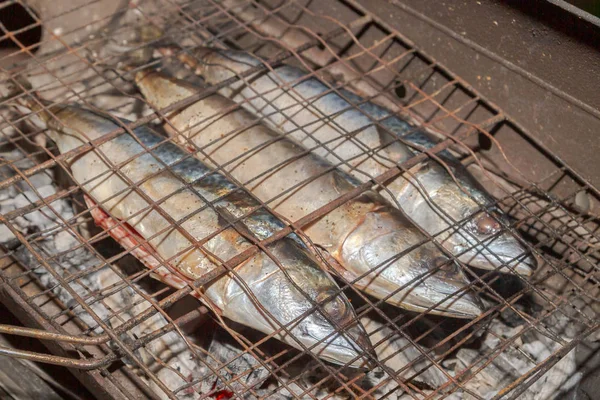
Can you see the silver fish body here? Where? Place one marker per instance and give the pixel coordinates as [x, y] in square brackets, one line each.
[455, 198]
[181, 188]
[462, 216]
[371, 242]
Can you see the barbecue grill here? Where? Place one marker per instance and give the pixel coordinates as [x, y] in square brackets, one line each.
[124, 335]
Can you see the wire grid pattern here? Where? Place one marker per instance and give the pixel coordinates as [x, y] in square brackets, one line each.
[563, 238]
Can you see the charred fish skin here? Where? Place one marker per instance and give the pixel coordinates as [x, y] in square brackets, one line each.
[105, 180]
[376, 247]
[454, 212]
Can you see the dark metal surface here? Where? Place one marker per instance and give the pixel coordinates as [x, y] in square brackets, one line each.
[555, 45]
[527, 57]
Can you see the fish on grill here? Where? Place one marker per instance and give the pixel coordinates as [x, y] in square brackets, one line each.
[443, 199]
[371, 243]
[179, 218]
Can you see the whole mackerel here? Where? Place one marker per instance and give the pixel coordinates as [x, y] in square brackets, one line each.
[462, 216]
[179, 223]
[371, 243]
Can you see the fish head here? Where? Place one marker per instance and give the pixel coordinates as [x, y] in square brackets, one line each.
[485, 243]
[399, 265]
[330, 326]
[162, 90]
[343, 344]
[443, 284]
[300, 295]
[479, 238]
[427, 280]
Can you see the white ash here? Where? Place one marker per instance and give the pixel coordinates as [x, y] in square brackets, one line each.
[114, 309]
[20, 195]
[515, 361]
[237, 370]
[399, 355]
[55, 239]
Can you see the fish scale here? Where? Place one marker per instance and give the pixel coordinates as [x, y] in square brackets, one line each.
[467, 222]
[285, 291]
[373, 244]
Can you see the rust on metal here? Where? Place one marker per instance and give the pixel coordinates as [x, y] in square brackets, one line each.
[106, 311]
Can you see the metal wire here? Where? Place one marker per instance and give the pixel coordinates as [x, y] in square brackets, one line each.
[351, 49]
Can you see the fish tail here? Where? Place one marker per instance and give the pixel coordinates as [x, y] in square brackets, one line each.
[21, 93]
[195, 61]
[15, 87]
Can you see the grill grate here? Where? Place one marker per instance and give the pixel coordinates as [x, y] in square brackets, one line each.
[95, 304]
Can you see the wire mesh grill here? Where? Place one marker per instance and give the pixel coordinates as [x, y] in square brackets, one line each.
[71, 279]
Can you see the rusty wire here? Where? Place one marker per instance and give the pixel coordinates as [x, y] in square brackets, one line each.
[431, 105]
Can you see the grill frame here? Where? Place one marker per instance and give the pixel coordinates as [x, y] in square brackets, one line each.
[12, 295]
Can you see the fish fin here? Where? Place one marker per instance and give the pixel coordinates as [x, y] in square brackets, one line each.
[340, 183]
[41, 140]
[408, 178]
[332, 265]
[235, 223]
[392, 146]
[211, 306]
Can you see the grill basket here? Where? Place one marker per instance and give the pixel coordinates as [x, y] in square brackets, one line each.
[124, 335]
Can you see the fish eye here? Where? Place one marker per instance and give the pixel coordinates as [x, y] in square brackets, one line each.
[486, 224]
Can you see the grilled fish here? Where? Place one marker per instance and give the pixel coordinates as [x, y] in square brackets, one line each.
[178, 222]
[372, 244]
[459, 213]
